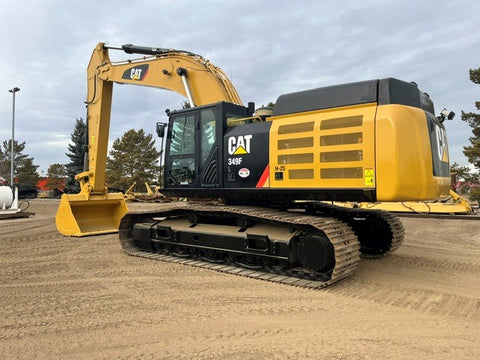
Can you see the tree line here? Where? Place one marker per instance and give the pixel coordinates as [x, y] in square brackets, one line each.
[24, 168]
[472, 151]
[133, 158]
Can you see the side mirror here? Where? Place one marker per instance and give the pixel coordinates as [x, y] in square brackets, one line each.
[161, 129]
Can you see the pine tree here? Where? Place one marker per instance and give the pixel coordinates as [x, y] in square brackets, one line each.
[76, 154]
[133, 158]
[472, 152]
[24, 170]
[473, 119]
[27, 173]
[4, 165]
[462, 172]
[5, 157]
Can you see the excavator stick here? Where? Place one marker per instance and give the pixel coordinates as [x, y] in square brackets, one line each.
[79, 215]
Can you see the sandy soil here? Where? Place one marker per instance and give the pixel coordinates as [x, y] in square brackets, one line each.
[83, 298]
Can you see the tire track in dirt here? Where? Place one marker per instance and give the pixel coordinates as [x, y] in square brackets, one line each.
[68, 310]
[68, 298]
[43, 239]
[406, 297]
[32, 224]
[436, 264]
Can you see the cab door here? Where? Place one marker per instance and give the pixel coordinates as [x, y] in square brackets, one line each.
[181, 158]
[192, 154]
[194, 150]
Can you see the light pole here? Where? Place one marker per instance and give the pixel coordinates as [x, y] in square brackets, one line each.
[13, 91]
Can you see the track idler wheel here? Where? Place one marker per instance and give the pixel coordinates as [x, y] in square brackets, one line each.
[316, 253]
[374, 234]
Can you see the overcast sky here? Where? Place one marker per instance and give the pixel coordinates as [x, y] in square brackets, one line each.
[266, 47]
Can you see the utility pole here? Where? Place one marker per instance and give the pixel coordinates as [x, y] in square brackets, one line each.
[13, 91]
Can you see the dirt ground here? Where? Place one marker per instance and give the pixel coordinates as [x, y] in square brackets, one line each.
[83, 298]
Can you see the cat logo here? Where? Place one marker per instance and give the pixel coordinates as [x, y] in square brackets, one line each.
[442, 144]
[239, 145]
[137, 73]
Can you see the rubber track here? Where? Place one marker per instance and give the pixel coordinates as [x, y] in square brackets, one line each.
[344, 241]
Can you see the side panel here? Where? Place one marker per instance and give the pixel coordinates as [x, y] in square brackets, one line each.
[329, 149]
[406, 139]
[245, 161]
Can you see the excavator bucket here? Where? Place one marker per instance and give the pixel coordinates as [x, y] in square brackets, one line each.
[78, 215]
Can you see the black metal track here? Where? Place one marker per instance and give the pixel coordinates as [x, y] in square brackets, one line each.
[343, 240]
[379, 232]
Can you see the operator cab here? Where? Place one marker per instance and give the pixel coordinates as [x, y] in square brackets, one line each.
[194, 148]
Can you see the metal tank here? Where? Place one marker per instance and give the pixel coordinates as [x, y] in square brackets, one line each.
[6, 197]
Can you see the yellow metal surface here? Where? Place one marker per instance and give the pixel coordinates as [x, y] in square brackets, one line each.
[366, 146]
[129, 195]
[418, 207]
[331, 148]
[457, 205]
[404, 157]
[460, 200]
[149, 190]
[99, 214]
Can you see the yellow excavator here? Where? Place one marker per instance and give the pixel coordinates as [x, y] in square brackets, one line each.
[271, 169]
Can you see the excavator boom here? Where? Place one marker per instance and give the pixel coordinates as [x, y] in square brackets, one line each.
[94, 210]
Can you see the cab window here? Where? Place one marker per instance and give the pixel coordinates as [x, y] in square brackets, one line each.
[182, 150]
[207, 135]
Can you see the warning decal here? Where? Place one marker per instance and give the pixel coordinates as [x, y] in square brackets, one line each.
[369, 175]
